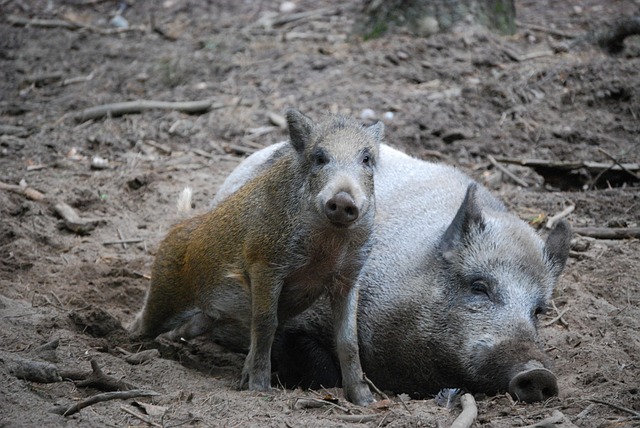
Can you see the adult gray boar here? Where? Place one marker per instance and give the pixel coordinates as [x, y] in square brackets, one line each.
[450, 293]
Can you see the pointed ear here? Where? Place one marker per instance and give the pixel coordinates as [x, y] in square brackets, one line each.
[376, 131]
[300, 128]
[558, 245]
[467, 218]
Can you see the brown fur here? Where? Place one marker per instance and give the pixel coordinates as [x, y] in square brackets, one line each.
[270, 250]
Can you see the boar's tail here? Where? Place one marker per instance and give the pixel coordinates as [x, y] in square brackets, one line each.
[184, 201]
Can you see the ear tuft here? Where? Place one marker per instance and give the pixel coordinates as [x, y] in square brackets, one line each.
[376, 130]
[558, 245]
[300, 129]
[468, 217]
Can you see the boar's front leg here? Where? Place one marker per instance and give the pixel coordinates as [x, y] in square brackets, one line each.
[344, 305]
[265, 292]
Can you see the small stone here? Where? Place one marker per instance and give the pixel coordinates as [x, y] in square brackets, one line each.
[119, 21]
[388, 115]
[287, 6]
[367, 114]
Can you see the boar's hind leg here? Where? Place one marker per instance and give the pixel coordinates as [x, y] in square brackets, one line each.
[265, 292]
[193, 325]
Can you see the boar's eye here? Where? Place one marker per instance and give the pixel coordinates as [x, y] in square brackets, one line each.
[319, 158]
[538, 311]
[480, 288]
[365, 158]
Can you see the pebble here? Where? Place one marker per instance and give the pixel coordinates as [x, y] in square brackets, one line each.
[287, 6]
[119, 21]
[367, 114]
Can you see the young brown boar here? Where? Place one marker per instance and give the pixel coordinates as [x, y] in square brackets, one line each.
[286, 237]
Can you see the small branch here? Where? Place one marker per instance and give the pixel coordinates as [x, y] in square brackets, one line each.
[98, 380]
[374, 387]
[555, 418]
[562, 214]
[128, 107]
[607, 154]
[73, 222]
[557, 318]
[142, 356]
[69, 25]
[28, 192]
[307, 402]
[591, 166]
[469, 412]
[363, 419]
[511, 175]
[552, 31]
[137, 415]
[107, 396]
[615, 406]
[123, 241]
[608, 232]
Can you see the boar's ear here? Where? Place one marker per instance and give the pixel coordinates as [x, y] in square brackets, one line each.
[468, 217]
[376, 131]
[557, 246]
[300, 127]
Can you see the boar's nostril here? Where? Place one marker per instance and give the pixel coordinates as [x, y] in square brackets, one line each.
[533, 385]
[341, 209]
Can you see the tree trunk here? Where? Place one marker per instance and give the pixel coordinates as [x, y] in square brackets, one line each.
[426, 17]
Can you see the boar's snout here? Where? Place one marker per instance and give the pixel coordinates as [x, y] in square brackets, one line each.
[535, 384]
[341, 209]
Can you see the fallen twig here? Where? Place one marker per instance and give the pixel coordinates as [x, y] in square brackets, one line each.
[142, 356]
[511, 175]
[98, 380]
[469, 412]
[552, 31]
[551, 221]
[520, 57]
[28, 192]
[123, 241]
[119, 109]
[555, 418]
[617, 162]
[608, 232]
[615, 406]
[106, 396]
[374, 387]
[555, 308]
[309, 402]
[591, 166]
[73, 222]
[557, 318]
[357, 418]
[69, 25]
[137, 415]
[162, 147]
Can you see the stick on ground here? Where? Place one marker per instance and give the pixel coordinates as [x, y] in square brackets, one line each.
[469, 412]
[608, 232]
[99, 398]
[118, 109]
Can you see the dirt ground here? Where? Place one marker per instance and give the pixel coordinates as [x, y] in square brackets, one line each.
[545, 93]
